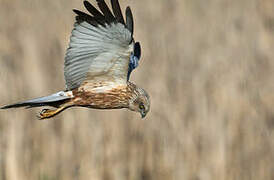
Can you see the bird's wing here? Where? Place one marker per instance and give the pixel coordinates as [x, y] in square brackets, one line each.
[134, 59]
[100, 46]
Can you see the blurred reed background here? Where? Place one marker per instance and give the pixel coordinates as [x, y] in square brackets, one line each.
[208, 66]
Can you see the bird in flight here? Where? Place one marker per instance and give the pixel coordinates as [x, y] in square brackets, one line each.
[99, 60]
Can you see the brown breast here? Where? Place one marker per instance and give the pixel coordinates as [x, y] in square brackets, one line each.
[112, 99]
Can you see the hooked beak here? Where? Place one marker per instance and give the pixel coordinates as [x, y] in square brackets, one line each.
[143, 114]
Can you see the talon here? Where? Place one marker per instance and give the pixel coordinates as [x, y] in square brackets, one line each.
[46, 113]
[49, 113]
[43, 111]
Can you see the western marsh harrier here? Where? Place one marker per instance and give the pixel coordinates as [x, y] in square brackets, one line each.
[101, 56]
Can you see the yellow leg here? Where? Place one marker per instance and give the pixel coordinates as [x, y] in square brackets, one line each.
[48, 113]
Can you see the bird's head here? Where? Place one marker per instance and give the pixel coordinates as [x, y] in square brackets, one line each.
[140, 102]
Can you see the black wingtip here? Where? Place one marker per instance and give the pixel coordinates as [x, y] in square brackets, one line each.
[76, 11]
[104, 16]
[106, 11]
[117, 11]
[97, 14]
[129, 20]
[81, 16]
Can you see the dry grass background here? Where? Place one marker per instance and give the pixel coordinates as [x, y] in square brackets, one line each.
[208, 66]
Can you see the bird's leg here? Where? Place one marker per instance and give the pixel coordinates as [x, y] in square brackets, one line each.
[48, 113]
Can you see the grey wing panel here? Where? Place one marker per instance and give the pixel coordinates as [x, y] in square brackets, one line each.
[100, 45]
[94, 49]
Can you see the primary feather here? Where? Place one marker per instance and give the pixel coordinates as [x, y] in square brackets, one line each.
[100, 46]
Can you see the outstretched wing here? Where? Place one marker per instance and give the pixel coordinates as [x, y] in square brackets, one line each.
[100, 46]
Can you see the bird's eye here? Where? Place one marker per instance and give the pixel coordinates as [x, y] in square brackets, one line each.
[141, 106]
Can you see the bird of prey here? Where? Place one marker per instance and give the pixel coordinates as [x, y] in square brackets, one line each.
[99, 60]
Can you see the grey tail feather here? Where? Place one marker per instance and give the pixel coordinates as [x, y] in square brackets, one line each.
[54, 100]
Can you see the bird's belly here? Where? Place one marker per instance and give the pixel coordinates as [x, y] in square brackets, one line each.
[108, 100]
[102, 107]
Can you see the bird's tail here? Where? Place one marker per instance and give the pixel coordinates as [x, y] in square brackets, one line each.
[54, 100]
